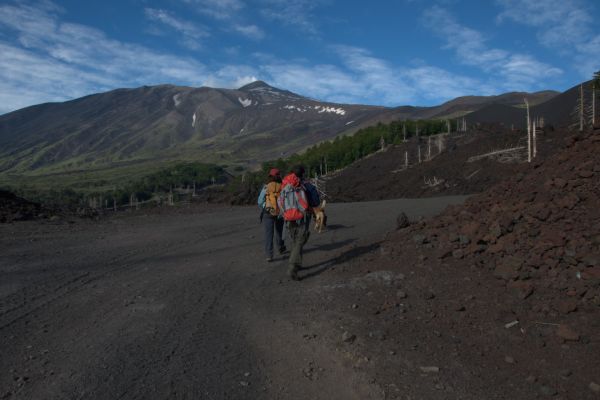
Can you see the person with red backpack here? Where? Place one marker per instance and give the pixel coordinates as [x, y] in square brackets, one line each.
[296, 200]
[269, 216]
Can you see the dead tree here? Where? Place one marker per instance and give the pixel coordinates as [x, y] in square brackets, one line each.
[419, 151]
[581, 107]
[429, 148]
[440, 143]
[595, 84]
[404, 131]
[528, 132]
[406, 159]
[534, 139]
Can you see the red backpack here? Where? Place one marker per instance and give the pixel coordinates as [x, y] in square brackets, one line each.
[293, 203]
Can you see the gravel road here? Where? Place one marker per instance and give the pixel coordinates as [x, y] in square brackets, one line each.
[179, 305]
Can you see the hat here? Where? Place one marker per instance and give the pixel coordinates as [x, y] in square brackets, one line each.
[274, 172]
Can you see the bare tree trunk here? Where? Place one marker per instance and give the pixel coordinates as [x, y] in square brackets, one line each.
[429, 148]
[419, 154]
[593, 105]
[404, 131]
[406, 159]
[528, 132]
[581, 108]
[534, 139]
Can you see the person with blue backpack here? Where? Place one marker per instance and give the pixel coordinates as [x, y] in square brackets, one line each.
[296, 200]
[270, 215]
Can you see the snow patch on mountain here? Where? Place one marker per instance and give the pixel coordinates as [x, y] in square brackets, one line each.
[194, 120]
[177, 99]
[322, 109]
[245, 102]
[319, 109]
[349, 122]
[292, 108]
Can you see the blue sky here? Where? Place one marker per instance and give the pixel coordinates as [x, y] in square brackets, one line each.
[377, 52]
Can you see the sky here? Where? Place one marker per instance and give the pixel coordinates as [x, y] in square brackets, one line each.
[378, 52]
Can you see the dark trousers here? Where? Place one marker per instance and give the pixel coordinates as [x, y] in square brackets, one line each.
[273, 227]
[298, 234]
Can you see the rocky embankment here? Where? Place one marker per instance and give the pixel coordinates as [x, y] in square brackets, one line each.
[503, 292]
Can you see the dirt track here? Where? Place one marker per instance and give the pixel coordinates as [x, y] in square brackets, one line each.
[180, 305]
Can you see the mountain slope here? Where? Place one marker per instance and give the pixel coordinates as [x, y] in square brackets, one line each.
[126, 132]
[250, 124]
[559, 110]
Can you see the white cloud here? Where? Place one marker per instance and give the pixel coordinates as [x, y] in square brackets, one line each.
[219, 9]
[192, 33]
[435, 84]
[362, 77]
[231, 76]
[51, 60]
[563, 25]
[519, 71]
[563, 22]
[295, 13]
[250, 31]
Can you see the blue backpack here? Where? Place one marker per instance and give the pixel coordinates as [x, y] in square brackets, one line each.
[312, 195]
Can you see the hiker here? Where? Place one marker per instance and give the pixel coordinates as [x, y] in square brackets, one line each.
[296, 201]
[269, 216]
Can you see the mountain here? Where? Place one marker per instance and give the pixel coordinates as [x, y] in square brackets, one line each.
[125, 132]
[149, 124]
[558, 110]
[466, 104]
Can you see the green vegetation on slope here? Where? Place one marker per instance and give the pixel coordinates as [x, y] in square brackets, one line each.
[335, 154]
[187, 174]
[344, 150]
[157, 180]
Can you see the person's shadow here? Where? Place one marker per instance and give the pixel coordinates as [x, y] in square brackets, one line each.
[335, 227]
[329, 246]
[346, 256]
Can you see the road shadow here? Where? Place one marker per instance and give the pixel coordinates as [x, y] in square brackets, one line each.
[330, 246]
[346, 256]
[335, 227]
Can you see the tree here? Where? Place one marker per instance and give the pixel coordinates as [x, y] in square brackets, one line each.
[595, 85]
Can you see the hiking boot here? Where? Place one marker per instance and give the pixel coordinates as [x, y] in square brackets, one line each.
[283, 250]
[293, 273]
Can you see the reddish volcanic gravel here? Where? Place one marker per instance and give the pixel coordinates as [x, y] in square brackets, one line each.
[499, 296]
